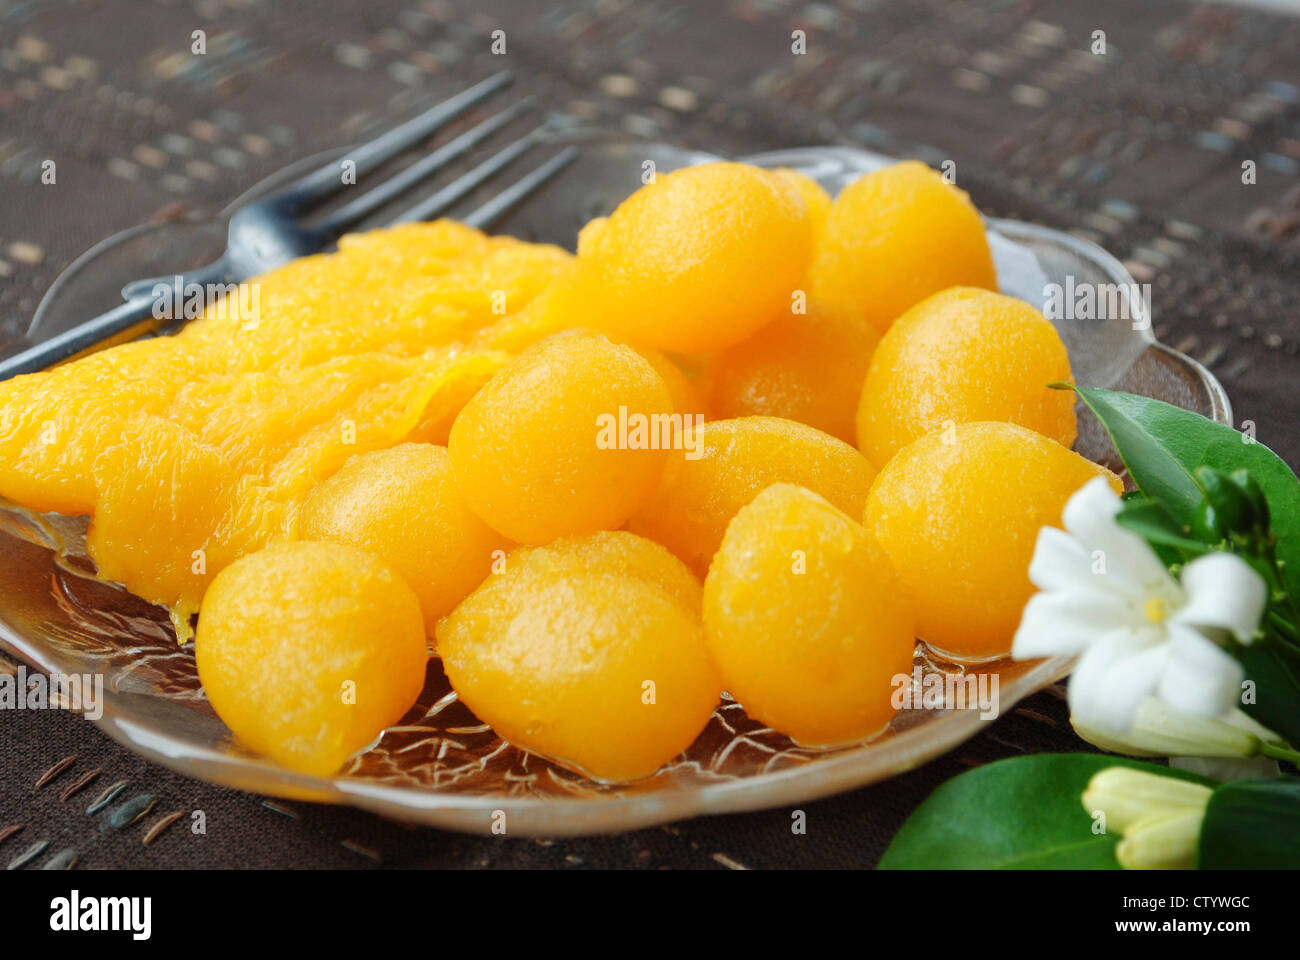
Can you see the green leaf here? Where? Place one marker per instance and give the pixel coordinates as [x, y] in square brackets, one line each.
[1274, 666]
[1153, 522]
[1162, 445]
[1252, 823]
[1023, 813]
[1141, 429]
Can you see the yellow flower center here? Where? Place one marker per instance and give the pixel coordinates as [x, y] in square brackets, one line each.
[1155, 609]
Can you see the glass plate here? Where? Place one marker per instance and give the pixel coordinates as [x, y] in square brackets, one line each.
[441, 766]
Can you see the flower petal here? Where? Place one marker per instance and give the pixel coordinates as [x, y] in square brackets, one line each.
[1223, 592]
[1061, 562]
[1114, 676]
[1093, 503]
[1201, 678]
[1131, 567]
[1064, 622]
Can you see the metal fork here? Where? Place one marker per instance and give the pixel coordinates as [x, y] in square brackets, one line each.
[272, 231]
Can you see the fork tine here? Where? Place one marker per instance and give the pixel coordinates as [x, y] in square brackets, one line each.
[326, 180]
[485, 215]
[438, 202]
[370, 201]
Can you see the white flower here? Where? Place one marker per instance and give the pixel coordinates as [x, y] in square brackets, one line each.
[1107, 598]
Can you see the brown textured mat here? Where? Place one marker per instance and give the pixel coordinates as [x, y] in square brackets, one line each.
[1140, 149]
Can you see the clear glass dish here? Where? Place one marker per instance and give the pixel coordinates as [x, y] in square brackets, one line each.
[440, 766]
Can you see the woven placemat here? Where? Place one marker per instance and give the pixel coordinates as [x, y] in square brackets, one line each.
[1140, 148]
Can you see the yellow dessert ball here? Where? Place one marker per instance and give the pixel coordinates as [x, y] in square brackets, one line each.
[814, 197]
[307, 651]
[894, 237]
[684, 389]
[610, 551]
[603, 672]
[724, 465]
[805, 367]
[958, 512]
[550, 447]
[964, 354]
[695, 261]
[402, 506]
[806, 619]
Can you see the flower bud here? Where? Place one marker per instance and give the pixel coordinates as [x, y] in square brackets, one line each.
[1162, 841]
[1128, 797]
[1158, 730]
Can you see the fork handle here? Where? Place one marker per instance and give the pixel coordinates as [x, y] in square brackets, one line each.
[126, 322]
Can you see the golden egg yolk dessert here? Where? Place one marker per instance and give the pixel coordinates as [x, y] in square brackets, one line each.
[958, 512]
[814, 197]
[806, 620]
[807, 367]
[191, 450]
[727, 462]
[307, 651]
[604, 672]
[402, 506]
[587, 235]
[685, 390]
[54, 423]
[695, 261]
[894, 237]
[436, 432]
[550, 445]
[612, 551]
[536, 323]
[964, 354]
